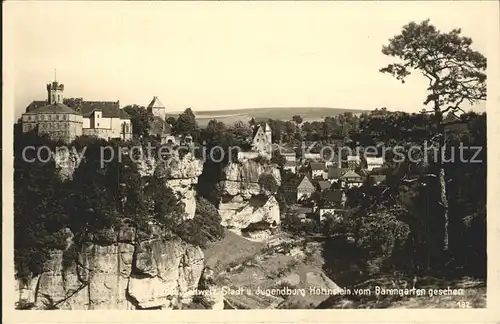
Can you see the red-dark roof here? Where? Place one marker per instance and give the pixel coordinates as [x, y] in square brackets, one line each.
[318, 166]
[86, 108]
[336, 173]
[378, 177]
[334, 195]
[159, 126]
[109, 108]
[54, 108]
[36, 104]
[323, 184]
[351, 175]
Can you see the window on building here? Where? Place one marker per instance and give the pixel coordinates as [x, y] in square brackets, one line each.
[97, 124]
[64, 117]
[57, 117]
[50, 117]
[53, 98]
[29, 118]
[42, 117]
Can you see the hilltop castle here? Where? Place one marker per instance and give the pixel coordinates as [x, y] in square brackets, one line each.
[67, 119]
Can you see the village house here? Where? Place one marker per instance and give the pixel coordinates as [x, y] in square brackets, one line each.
[305, 189]
[332, 202]
[351, 179]
[289, 154]
[325, 211]
[312, 156]
[374, 162]
[353, 161]
[377, 179]
[334, 173]
[303, 213]
[318, 170]
[66, 121]
[289, 187]
[290, 166]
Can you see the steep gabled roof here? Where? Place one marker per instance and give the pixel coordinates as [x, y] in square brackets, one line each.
[156, 103]
[306, 183]
[258, 130]
[323, 184]
[351, 174]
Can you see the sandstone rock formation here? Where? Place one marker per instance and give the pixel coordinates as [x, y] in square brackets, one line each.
[180, 173]
[244, 202]
[152, 274]
[213, 296]
[66, 161]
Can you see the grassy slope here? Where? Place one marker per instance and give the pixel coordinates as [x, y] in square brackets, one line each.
[231, 250]
[243, 263]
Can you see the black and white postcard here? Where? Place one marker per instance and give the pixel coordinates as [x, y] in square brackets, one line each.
[251, 161]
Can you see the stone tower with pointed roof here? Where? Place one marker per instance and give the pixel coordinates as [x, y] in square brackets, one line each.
[157, 108]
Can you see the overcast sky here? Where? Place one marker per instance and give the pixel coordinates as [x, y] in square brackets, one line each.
[226, 55]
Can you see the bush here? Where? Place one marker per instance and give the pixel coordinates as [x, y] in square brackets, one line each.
[267, 182]
[204, 228]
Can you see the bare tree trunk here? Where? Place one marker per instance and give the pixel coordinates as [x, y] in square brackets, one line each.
[443, 199]
[444, 203]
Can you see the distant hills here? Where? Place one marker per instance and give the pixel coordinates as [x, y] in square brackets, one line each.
[230, 116]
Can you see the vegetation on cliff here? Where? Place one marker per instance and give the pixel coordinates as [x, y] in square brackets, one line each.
[99, 198]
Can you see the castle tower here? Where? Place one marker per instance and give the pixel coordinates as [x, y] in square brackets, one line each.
[157, 108]
[55, 93]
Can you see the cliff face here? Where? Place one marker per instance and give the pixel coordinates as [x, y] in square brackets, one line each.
[67, 162]
[244, 202]
[153, 273]
[180, 174]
